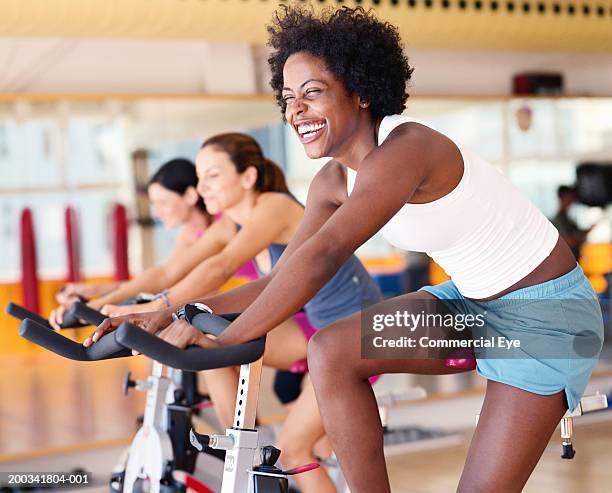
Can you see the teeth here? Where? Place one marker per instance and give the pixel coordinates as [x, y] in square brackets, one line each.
[309, 129]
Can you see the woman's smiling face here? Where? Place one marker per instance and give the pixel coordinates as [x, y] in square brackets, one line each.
[170, 207]
[219, 183]
[318, 106]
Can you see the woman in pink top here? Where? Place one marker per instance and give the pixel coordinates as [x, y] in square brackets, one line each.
[177, 204]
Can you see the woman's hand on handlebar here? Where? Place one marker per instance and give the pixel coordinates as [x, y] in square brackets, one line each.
[71, 291]
[182, 334]
[120, 310]
[56, 317]
[95, 304]
[83, 291]
[152, 322]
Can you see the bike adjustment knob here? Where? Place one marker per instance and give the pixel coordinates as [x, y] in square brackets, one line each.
[128, 383]
[269, 455]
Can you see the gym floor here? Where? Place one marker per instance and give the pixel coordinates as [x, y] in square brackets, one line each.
[63, 414]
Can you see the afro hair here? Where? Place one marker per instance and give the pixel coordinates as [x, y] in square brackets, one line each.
[362, 51]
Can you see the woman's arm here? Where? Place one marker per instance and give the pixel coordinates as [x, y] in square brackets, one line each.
[178, 264]
[387, 178]
[327, 192]
[79, 290]
[269, 219]
[238, 299]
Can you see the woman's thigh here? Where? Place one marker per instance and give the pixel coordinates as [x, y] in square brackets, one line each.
[338, 347]
[285, 345]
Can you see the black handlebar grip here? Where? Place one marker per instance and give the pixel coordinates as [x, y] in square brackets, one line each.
[209, 323]
[21, 313]
[80, 311]
[192, 358]
[106, 348]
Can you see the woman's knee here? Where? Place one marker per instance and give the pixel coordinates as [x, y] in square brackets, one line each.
[324, 351]
[294, 450]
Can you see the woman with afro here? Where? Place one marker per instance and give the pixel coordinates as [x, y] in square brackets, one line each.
[340, 79]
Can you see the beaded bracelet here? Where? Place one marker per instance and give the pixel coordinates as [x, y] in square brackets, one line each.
[163, 296]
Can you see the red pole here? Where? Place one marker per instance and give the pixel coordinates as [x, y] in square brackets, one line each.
[72, 244]
[120, 242]
[29, 275]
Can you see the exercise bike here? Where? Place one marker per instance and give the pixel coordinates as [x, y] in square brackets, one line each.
[169, 409]
[154, 473]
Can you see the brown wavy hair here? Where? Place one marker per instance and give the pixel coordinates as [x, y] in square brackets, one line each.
[244, 151]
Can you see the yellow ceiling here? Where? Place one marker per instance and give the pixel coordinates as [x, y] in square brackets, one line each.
[423, 25]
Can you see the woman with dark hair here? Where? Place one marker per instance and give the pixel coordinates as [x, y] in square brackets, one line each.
[260, 217]
[176, 203]
[177, 179]
[340, 79]
[238, 184]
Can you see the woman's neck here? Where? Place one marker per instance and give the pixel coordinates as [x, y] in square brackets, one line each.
[241, 212]
[361, 143]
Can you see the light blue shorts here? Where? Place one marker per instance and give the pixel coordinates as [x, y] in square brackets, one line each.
[558, 323]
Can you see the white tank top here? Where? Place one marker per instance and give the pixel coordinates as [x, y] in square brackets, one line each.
[485, 233]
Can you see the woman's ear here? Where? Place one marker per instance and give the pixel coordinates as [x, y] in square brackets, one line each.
[191, 196]
[249, 177]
